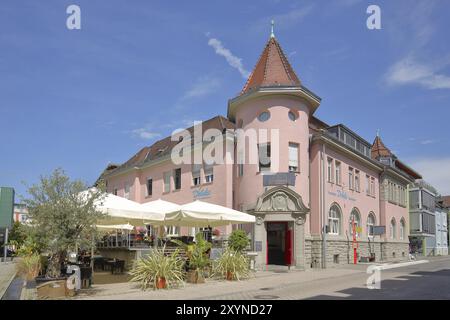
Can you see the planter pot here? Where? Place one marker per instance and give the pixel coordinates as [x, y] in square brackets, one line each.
[229, 275]
[52, 289]
[161, 283]
[194, 276]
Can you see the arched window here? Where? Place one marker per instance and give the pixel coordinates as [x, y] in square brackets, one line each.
[402, 229]
[354, 216]
[370, 224]
[392, 229]
[334, 218]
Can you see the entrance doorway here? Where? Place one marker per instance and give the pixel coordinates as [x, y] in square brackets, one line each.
[279, 243]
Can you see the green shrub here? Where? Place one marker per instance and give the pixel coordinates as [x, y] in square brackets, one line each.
[149, 270]
[197, 252]
[232, 265]
[29, 266]
[238, 240]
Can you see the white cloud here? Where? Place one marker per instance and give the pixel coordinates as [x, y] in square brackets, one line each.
[202, 87]
[144, 133]
[291, 18]
[436, 171]
[232, 60]
[410, 71]
[425, 142]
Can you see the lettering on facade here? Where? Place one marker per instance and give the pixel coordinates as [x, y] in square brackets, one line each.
[341, 194]
[201, 193]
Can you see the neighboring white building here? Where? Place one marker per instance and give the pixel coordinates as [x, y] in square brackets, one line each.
[20, 213]
[441, 246]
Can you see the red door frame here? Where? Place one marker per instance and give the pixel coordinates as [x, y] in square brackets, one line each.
[288, 243]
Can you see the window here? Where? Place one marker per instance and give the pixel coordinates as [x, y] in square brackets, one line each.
[149, 187]
[354, 216]
[370, 224]
[264, 157]
[196, 174]
[350, 178]
[264, 116]
[166, 177]
[292, 115]
[334, 217]
[402, 229]
[172, 231]
[177, 178]
[357, 181]
[372, 186]
[126, 192]
[368, 185]
[330, 170]
[338, 172]
[209, 175]
[240, 163]
[392, 230]
[293, 157]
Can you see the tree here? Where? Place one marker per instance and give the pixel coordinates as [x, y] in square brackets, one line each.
[60, 218]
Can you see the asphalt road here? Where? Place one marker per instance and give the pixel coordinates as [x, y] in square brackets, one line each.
[428, 281]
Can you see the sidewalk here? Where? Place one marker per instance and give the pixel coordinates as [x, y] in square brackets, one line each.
[7, 274]
[263, 280]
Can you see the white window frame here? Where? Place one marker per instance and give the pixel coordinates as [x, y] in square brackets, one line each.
[330, 177]
[293, 157]
[371, 224]
[337, 169]
[166, 181]
[357, 215]
[334, 219]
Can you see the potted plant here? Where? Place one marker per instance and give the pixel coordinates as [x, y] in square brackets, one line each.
[232, 265]
[198, 257]
[238, 240]
[158, 270]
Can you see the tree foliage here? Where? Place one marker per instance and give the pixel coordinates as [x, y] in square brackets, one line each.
[238, 240]
[61, 219]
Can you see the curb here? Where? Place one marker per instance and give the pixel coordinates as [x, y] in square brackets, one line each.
[2, 293]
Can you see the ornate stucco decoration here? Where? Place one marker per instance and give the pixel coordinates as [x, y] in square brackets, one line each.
[281, 199]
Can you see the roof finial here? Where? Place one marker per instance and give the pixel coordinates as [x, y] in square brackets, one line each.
[378, 132]
[272, 35]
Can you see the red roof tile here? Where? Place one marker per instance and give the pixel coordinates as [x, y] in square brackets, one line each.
[272, 69]
[379, 149]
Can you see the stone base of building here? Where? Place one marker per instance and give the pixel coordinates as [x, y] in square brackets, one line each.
[339, 252]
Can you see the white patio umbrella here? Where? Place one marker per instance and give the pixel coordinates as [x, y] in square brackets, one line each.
[199, 213]
[121, 210]
[127, 226]
[160, 207]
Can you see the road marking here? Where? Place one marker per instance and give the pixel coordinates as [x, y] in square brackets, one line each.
[399, 265]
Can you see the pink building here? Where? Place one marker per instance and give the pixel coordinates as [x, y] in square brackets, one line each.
[312, 185]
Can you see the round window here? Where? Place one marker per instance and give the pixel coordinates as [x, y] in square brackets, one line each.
[292, 115]
[264, 116]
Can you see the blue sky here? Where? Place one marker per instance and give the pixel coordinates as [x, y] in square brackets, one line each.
[137, 70]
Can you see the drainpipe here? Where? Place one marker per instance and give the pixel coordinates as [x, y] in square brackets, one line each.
[324, 231]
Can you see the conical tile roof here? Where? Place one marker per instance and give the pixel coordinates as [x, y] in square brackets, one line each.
[272, 69]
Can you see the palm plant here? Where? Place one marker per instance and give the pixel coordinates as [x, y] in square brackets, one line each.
[197, 255]
[159, 270]
[232, 265]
